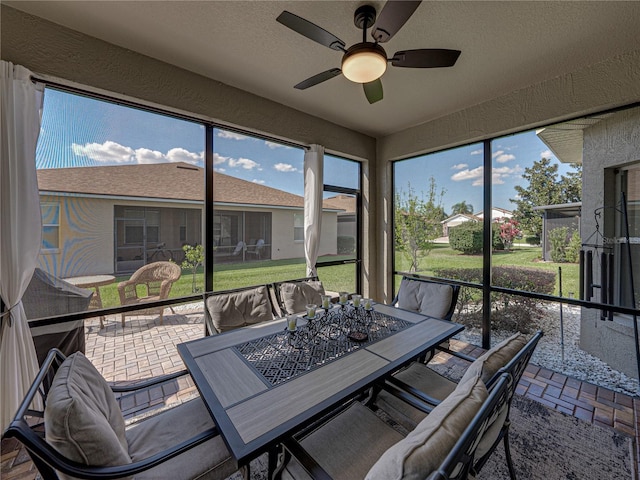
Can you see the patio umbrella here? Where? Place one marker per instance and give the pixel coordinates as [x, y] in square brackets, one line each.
[20, 230]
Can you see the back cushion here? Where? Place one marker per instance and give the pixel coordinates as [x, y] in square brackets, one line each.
[501, 354]
[82, 418]
[425, 448]
[296, 295]
[239, 309]
[428, 298]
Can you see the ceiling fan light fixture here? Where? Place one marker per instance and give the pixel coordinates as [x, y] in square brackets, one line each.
[364, 62]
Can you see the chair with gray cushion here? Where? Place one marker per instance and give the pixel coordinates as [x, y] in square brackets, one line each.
[428, 297]
[356, 443]
[420, 382]
[294, 295]
[72, 427]
[238, 308]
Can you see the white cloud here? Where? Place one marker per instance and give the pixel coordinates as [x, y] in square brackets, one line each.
[112, 153]
[107, 152]
[245, 163]
[273, 145]
[255, 180]
[468, 174]
[181, 155]
[285, 167]
[232, 135]
[505, 157]
[546, 154]
[221, 170]
[477, 152]
[218, 159]
[476, 175]
[144, 155]
[459, 166]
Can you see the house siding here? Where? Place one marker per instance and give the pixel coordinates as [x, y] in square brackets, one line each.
[613, 142]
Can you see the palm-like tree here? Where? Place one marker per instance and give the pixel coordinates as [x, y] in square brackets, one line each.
[462, 207]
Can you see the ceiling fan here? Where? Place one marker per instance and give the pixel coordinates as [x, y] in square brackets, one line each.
[366, 62]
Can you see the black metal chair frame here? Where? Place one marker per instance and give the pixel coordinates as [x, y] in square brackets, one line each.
[26, 428]
[515, 368]
[459, 461]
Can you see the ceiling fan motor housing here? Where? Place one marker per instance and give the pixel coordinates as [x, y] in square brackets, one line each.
[364, 62]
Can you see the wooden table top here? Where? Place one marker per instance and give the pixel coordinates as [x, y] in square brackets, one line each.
[253, 414]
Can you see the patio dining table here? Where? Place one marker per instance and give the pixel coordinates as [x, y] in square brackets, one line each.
[261, 384]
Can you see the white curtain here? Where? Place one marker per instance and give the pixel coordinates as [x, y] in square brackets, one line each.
[20, 230]
[313, 183]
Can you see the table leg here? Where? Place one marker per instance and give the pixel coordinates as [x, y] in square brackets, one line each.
[98, 304]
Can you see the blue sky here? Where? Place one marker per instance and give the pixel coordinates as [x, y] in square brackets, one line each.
[80, 131]
[459, 172]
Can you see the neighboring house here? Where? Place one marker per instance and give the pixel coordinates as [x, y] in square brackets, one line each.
[455, 220]
[347, 224]
[558, 216]
[460, 218]
[108, 219]
[496, 213]
[607, 174]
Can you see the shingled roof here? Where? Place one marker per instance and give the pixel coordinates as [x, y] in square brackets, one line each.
[175, 181]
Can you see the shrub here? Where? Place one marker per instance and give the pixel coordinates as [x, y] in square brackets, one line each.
[466, 238]
[346, 244]
[532, 240]
[510, 312]
[572, 251]
[558, 238]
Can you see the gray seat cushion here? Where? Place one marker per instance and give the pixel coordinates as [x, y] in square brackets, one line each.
[426, 447]
[239, 309]
[423, 378]
[296, 295]
[82, 418]
[428, 298]
[210, 460]
[347, 445]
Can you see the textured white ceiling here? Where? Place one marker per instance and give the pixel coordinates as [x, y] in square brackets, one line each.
[505, 46]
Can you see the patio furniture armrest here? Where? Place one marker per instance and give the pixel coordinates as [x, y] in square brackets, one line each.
[411, 395]
[460, 355]
[126, 292]
[307, 462]
[148, 383]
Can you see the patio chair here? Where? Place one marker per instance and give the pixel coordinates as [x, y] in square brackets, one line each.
[356, 443]
[428, 297]
[238, 308]
[430, 388]
[256, 250]
[294, 295]
[239, 248]
[79, 431]
[155, 280]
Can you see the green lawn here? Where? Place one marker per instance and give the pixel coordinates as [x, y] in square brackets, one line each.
[342, 277]
[442, 256]
[236, 275]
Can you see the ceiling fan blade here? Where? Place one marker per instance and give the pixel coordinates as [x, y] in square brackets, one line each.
[425, 58]
[319, 78]
[373, 91]
[310, 30]
[393, 16]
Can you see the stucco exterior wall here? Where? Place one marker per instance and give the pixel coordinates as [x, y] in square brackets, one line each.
[86, 243]
[284, 245]
[613, 142]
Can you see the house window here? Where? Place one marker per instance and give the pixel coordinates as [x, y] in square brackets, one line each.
[298, 227]
[50, 225]
[628, 182]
